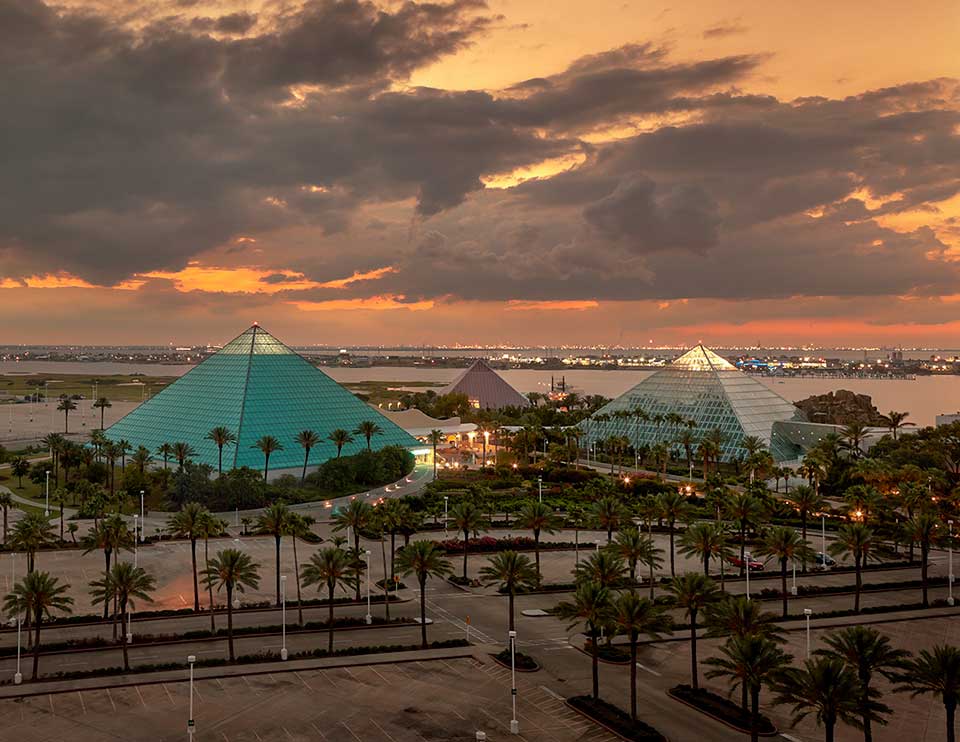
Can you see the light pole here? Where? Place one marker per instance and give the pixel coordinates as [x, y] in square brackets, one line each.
[141, 516]
[823, 539]
[446, 508]
[366, 558]
[283, 616]
[807, 612]
[136, 540]
[540, 487]
[950, 562]
[18, 676]
[46, 508]
[793, 587]
[514, 724]
[486, 439]
[746, 557]
[190, 723]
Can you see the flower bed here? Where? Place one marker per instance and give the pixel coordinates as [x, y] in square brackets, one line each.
[615, 719]
[524, 662]
[721, 708]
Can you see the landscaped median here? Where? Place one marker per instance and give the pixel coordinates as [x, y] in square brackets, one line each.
[615, 719]
[250, 659]
[721, 709]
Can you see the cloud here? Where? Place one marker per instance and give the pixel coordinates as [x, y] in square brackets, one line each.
[723, 30]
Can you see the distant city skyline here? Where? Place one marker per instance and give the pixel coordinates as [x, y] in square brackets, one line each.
[500, 173]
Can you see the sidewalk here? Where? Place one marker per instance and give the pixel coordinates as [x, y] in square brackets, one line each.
[43, 688]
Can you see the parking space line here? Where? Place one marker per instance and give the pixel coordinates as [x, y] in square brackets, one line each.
[111, 700]
[83, 706]
[344, 725]
[385, 732]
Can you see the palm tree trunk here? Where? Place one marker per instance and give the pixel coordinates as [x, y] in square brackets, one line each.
[633, 675]
[951, 708]
[536, 553]
[743, 547]
[694, 675]
[386, 595]
[276, 541]
[296, 574]
[755, 713]
[466, 537]
[106, 603]
[510, 607]
[196, 585]
[230, 619]
[423, 609]
[356, 549]
[783, 584]
[803, 533]
[38, 616]
[706, 564]
[330, 588]
[206, 566]
[828, 727]
[595, 661]
[393, 556]
[856, 599]
[673, 572]
[651, 579]
[924, 552]
[123, 639]
[61, 522]
[303, 474]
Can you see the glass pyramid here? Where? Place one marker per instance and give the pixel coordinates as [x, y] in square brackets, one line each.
[254, 386]
[703, 387]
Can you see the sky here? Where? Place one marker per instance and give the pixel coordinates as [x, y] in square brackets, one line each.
[465, 172]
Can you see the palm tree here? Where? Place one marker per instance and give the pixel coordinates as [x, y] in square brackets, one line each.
[66, 406]
[37, 596]
[307, 440]
[330, 568]
[750, 661]
[353, 519]
[340, 438]
[298, 526]
[19, 467]
[435, 439]
[234, 570]
[745, 510]
[512, 571]
[273, 522]
[267, 445]
[30, 534]
[6, 502]
[221, 436]
[127, 584]
[693, 592]
[392, 515]
[141, 458]
[865, 651]
[189, 523]
[936, 671]
[608, 513]
[785, 545]
[604, 567]
[368, 429]
[633, 616]
[633, 547]
[165, 451]
[922, 529]
[59, 498]
[808, 502]
[102, 404]
[673, 507]
[468, 518]
[856, 540]
[209, 525]
[111, 535]
[182, 452]
[704, 541]
[424, 559]
[591, 605]
[738, 616]
[539, 518]
[894, 421]
[825, 686]
[852, 437]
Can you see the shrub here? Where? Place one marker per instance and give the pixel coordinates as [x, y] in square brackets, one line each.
[722, 708]
[616, 719]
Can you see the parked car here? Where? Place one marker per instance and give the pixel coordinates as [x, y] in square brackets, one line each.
[755, 566]
[825, 561]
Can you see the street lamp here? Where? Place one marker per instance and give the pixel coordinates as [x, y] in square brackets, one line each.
[486, 439]
[950, 562]
[823, 539]
[514, 724]
[190, 723]
[540, 487]
[366, 558]
[807, 612]
[283, 616]
[46, 509]
[747, 558]
[446, 508]
[141, 516]
[18, 676]
[793, 566]
[136, 540]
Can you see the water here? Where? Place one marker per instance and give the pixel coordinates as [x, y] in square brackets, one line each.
[923, 398]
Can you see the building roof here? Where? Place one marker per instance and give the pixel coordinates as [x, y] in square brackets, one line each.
[254, 386]
[703, 387]
[419, 424]
[485, 388]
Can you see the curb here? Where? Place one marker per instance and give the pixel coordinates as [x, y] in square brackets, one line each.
[726, 723]
[600, 724]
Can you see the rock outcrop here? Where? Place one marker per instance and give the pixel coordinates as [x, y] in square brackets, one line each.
[841, 407]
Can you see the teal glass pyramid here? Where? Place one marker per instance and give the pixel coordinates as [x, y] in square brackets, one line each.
[255, 386]
[703, 387]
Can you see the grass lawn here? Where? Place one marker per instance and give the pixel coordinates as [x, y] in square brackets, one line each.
[120, 387]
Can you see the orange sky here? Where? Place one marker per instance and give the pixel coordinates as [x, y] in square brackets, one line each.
[364, 278]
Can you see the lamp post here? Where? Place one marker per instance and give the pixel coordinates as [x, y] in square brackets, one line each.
[514, 724]
[823, 539]
[46, 507]
[807, 612]
[486, 439]
[747, 558]
[793, 587]
[366, 558]
[283, 616]
[136, 540]
[446, 508]
[540, 487]
[141, 517]
[18, 676]
[950, 562]
[190, 723]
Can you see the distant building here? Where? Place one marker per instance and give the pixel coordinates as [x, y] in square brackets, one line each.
[255, 386]
[947, 418]
[420, 425]
[485, 388]
[702, 387]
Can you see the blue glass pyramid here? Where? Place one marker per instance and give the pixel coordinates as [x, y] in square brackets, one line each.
[255, 386]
